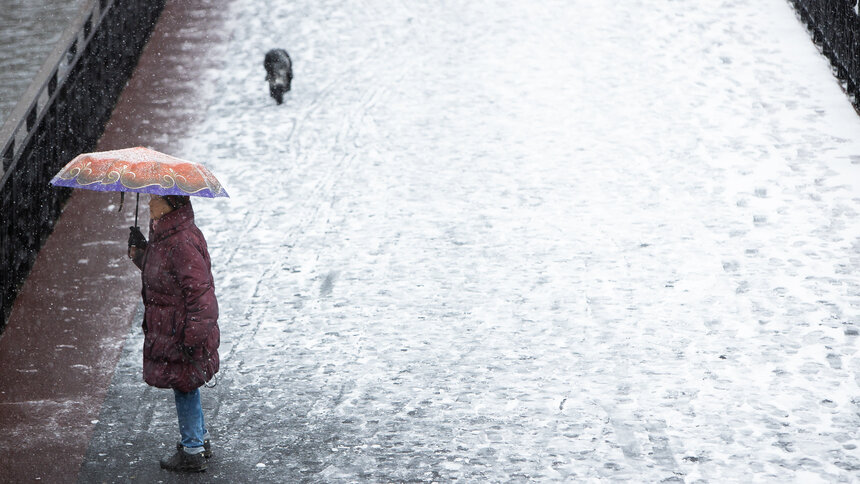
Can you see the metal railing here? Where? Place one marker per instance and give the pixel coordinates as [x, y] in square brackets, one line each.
[835, 28]
[62, 113]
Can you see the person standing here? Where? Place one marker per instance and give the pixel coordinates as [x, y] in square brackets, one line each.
[180, 322]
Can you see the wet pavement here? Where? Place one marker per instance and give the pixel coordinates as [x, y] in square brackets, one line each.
[507, 242]
[29, 31]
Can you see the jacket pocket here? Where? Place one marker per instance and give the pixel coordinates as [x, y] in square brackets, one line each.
[177, 322]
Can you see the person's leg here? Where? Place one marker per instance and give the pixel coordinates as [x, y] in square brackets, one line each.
[190, 454]
[190, 416]
[207, 445]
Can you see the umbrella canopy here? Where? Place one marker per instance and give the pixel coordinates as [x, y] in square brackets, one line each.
[139, 170]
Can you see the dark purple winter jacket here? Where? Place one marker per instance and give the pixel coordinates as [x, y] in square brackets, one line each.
[180, 321]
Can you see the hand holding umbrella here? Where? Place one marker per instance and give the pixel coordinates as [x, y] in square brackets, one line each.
[136, 240]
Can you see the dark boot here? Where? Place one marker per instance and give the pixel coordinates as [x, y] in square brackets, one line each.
[182, 461]
[207, 448]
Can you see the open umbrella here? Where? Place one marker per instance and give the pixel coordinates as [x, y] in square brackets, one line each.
[139, 170]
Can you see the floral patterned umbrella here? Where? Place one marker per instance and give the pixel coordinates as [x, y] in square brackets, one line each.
[139, 170]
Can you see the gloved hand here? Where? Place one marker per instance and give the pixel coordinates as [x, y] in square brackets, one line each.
[136, 238]
[188, 350]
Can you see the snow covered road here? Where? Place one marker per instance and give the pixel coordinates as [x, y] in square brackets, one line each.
[499, 241]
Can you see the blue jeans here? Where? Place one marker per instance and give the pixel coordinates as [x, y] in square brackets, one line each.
[190, 414]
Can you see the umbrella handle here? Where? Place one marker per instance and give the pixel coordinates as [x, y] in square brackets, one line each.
[136, 203]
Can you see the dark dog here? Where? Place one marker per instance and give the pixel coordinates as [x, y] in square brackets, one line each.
[279, 73]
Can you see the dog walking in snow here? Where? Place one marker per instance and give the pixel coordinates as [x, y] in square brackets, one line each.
[279, 73]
